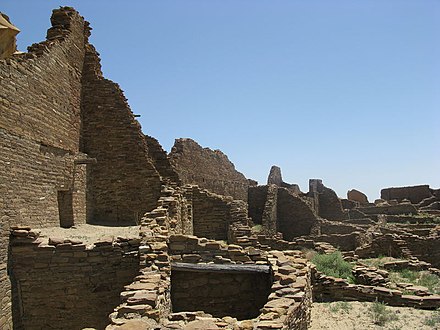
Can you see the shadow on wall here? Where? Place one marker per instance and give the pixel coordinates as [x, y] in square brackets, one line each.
[221, 293]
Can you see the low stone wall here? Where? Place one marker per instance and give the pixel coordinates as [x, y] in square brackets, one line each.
[146, 302]
[212, 214]
[389, 209]
[414, 193]
[192, 249]
[345, 242]
[65, 284]
[409, 219]
[390, 245]
[270, 243]
[327, 288]
[334, 227]
[425, 248]
[403, 246]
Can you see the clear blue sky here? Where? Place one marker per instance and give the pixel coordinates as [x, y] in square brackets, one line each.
[346, 91]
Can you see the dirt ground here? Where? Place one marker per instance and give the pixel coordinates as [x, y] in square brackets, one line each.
[90, 233]
[358, 316]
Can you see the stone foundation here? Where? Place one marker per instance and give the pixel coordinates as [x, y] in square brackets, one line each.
[65, 284]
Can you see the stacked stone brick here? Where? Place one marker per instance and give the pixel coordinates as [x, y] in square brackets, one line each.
[60, 275]
[209, 169]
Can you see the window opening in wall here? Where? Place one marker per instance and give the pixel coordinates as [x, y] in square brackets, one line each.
[65, 208]
[238, 291]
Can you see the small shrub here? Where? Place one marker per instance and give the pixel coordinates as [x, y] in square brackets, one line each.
[333, 264]
[340, 306]
[433, 320]
[422, 278]
[380, 314]
[410, 275]
[257, 228]
[431, 281]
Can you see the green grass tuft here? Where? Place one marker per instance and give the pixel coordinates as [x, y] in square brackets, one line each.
[333, 265]
[433, 320]
[340, 306]
[380, 314]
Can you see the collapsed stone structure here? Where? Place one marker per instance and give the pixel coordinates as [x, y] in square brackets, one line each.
[215, 251]
[209, 169]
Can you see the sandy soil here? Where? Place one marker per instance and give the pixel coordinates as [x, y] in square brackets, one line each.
[90, 233]
[358, 317]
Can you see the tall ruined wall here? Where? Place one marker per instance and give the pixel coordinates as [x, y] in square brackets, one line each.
[208, 169]
[330, 206]
[325, 201]
[211, 214]
[39, 134]
[294, 217]
[281, 210]
[160, 160]
[276, 178]
[123, 183]
[415, 194]
[270, 213]
[257, 197]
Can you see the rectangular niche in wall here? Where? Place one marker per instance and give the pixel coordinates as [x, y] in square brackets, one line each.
[65, 208]
[238, 291]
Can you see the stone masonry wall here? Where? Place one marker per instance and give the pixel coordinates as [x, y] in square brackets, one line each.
[239, 295]
[146, 303]
[123, 183]
[160, 160]
[39, 134]
[325, 201]
[208, 169]
[257, 197]
[330, 206]
[276, 178]
[211, 214]
[270, 213]
[415, 194]
[294, 217]
[65, 284]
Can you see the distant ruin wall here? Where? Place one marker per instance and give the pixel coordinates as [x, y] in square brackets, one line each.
[257, 197]
[415, 194]
[426, 249]
[39, 133]
[208, 169]
[325, 201]
[280, 210]
[68, 286]
[276, 178]
[330, 206]
[270, 212]
[211, 215]
[294, 217]
[123, 183]
[160, 160]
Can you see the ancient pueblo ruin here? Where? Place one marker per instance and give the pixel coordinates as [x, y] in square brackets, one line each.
[211, 249]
